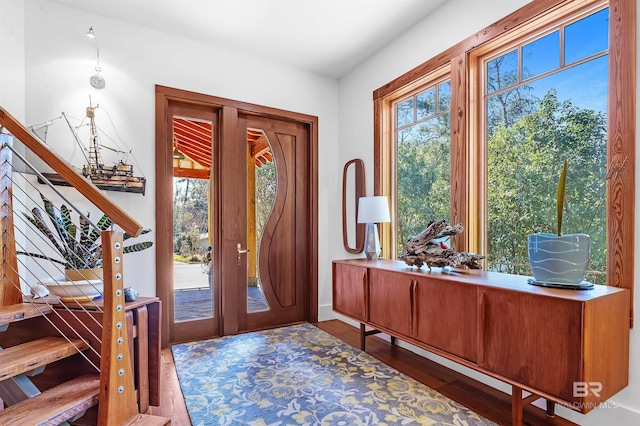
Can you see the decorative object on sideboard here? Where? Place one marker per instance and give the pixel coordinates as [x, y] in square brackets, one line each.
[373, 210]
[353, 172]
[558, 260]
[423, 249]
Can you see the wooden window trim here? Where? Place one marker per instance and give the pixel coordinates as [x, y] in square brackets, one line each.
[621, 128]
[437, 75]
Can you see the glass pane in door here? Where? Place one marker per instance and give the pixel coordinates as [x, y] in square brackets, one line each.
[193, 272]
[262, 183]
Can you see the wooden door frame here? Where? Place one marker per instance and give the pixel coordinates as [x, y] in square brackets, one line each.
[164, 189]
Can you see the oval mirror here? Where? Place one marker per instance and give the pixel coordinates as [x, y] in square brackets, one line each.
[353, 187]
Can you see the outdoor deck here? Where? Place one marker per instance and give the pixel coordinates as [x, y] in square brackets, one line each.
[193, 294]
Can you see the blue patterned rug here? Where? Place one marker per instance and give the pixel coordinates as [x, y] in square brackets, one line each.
[301, 375]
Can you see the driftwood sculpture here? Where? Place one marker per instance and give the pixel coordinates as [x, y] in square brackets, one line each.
[421, 249]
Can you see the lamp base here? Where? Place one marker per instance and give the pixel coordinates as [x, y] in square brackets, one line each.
[371, 242]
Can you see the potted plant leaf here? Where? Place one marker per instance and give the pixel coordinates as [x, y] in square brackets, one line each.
[79, 246]
[559, 260]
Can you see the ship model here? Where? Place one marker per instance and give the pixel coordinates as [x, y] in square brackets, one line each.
[118, 177]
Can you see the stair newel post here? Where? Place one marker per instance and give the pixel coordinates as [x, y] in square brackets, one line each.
[10, 293]
[117, 404]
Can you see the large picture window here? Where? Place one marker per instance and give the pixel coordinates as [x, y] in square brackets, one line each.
[545, 100]
[531, 90]
[423, 159]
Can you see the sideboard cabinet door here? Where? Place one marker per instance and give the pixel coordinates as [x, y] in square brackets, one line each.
[392, 301]
[534, 340]
[349, 291]
[447, 316]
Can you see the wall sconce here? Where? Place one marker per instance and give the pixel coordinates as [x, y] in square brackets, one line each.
[372, 210]
[96, 80]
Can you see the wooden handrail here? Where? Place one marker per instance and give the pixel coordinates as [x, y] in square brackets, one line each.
[75, 179]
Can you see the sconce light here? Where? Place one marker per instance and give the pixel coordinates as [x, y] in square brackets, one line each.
[96, 80]
[372, 210]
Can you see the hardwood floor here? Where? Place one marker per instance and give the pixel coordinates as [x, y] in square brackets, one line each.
[482, 399]
[171, 400]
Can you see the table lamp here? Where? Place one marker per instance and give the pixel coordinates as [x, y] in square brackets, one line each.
[372, 210]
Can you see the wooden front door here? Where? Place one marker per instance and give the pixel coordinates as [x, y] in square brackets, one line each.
[264, 268]
[280, 242]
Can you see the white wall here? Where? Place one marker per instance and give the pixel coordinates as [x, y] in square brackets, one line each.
[60, 60]
[12, 60]
[453, 22]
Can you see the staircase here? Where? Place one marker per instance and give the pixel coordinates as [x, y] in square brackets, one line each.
[50, 372]
[67, 401]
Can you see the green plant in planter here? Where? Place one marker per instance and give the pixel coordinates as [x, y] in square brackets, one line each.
[559, 260]
[79, 245]
[562, 184]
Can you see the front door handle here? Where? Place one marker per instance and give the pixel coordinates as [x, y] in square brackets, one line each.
[240, 251]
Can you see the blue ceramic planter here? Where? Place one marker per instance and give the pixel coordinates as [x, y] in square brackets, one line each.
[559, 260]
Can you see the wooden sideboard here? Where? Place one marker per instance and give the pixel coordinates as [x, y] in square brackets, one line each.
[570, 347]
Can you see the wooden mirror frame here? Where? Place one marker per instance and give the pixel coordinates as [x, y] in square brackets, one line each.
[360, 191]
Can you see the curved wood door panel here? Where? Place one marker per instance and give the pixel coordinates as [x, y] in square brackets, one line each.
[277, 265]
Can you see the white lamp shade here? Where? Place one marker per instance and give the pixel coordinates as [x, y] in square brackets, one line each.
[373, 210]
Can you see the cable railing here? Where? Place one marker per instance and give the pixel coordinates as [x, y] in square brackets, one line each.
[42, 242]
[33, 249]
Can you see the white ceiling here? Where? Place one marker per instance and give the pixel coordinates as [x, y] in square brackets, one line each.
[328, 37]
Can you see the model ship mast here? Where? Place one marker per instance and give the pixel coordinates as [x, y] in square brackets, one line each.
[95, 162]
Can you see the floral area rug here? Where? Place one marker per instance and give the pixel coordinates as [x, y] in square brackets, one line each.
[301, 375]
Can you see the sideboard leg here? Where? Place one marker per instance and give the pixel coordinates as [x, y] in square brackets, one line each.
[363, 337]
[516, 406]
[393, 341]
[551, 408]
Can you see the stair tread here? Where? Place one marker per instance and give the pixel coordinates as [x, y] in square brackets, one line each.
[22, 311]
[148, 420]
[28, 356]
[55, 405]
